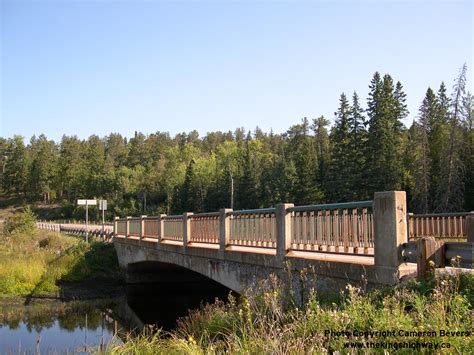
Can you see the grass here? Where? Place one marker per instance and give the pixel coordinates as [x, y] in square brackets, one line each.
[265, 321]
[35, 263]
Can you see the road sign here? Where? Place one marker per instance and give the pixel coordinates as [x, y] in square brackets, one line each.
[86, 202]
[102, 205]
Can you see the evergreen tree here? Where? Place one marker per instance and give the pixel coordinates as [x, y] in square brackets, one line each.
[422, 196]
[468, 106]
[357, 142]
[386, 109]
[341, 154]
[15, 169]
[42, 171]
[247, 191]
[451, 188]
[322, 146]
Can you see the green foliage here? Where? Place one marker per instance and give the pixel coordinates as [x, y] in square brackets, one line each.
[24, 222]
[35, 263]
[262, 321]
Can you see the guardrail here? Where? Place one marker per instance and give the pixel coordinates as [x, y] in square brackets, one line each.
[340, 227]
[345, 228]
[80, 229]
[444, 226]
[205, 228]
[173, 228]
[255, 228]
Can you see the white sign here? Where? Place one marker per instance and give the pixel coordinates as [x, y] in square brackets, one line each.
[87, 202]
[102, 205]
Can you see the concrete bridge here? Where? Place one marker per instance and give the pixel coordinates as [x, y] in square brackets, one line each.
[336, 243]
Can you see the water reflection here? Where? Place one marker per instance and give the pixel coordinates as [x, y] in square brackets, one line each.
[51, 326]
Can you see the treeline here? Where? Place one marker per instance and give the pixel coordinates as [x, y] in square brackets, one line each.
[367, 149]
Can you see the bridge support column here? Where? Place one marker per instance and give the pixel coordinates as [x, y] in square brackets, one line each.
[142, 227]
[390, 224]
[224, 229]
[161, 227]
[470, 227]
[127, 227]
[186, 229]
[283, 239]
[115, 225]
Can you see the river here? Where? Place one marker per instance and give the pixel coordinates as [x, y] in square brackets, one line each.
[53, 326]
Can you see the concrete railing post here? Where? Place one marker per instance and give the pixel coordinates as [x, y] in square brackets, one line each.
[224, 228]
[283, 224]
[127, 226]
[161, 227]
[390, 227]
[142, 227]
[186, 229]
[470, 227]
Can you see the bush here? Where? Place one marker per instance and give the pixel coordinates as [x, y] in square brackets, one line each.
[22, 223]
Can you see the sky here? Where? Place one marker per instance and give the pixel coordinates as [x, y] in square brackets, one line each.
[101, 66]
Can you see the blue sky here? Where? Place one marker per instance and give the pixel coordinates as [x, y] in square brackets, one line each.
[95, 67]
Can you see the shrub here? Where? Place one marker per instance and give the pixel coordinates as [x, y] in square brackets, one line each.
[22, 223]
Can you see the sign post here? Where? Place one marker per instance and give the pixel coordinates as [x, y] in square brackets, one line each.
[87, 203]
[103, 207]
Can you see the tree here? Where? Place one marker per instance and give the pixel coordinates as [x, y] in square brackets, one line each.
[15, 169]
[386, 109]
[303, 154]
[357, 143]
[321, 142]
[341, 154]
[451, 187]
[468, 110]
[71, 165]
[42, 171]
[422, 191]
[247, 196]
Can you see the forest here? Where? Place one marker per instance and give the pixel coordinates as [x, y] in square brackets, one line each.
[363, 150]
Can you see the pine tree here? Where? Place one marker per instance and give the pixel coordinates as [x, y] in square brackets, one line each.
[42, 171]
[303, 153]
[247, 194]
[422, 197]
[468, 110]
[451, 188]
[321, 142]
[341, 154]
[386, 109]
[15, 173]
[357, 143]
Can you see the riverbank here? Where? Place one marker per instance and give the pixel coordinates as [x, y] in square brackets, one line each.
[48, 264]
[434, 316]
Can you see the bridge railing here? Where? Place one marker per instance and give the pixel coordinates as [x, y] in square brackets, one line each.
[445, 226]
[172, 228]
[151, 227]
[255, 228]
[134, 227]
[204, 228]
[340, 227]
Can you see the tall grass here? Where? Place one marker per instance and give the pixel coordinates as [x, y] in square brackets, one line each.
[33, 262]
[263, 321]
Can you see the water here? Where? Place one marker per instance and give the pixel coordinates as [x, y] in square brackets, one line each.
[53, 327]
